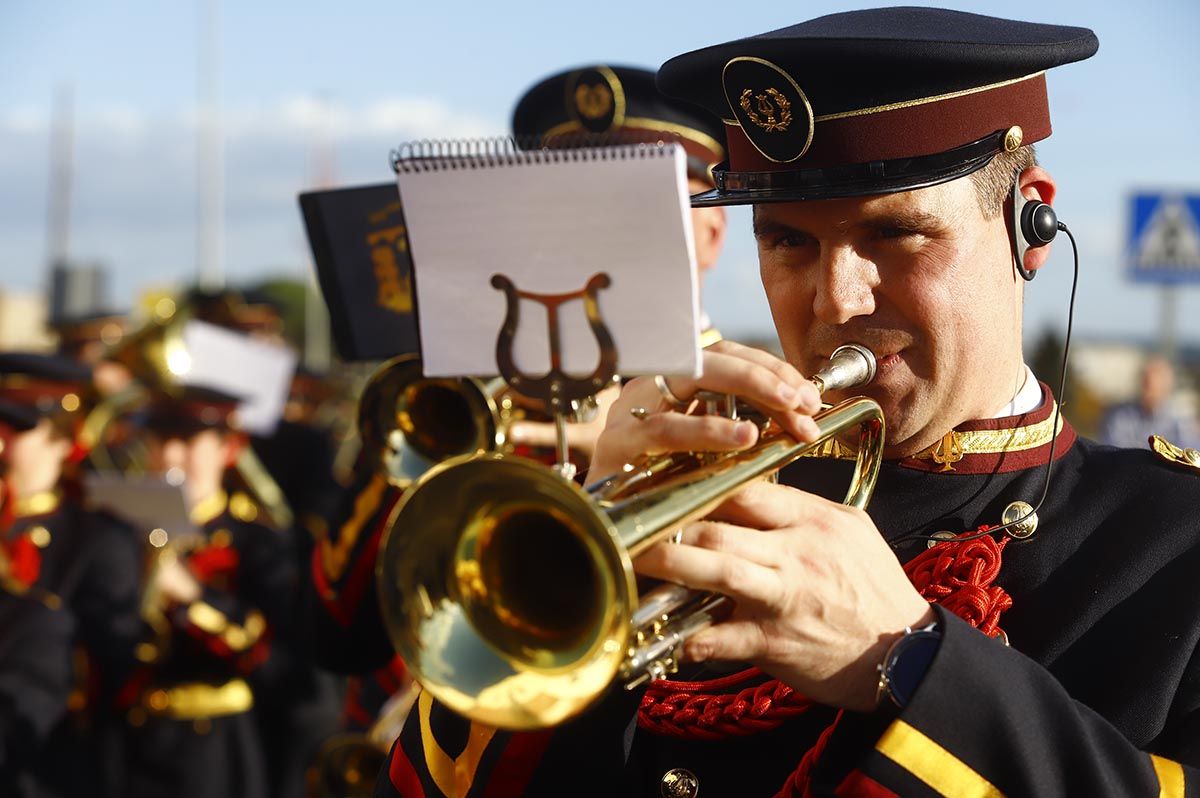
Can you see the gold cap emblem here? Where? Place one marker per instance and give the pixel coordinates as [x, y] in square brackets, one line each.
[770, 110]
[593, 102]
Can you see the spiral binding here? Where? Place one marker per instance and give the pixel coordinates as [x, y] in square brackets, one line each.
[433, 155]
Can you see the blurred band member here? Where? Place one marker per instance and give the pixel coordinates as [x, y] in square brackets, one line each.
[216, 600]
[85, 563]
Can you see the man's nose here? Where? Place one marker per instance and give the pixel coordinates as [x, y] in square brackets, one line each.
[845, 286]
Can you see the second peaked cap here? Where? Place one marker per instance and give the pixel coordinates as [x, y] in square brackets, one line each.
[616, 104]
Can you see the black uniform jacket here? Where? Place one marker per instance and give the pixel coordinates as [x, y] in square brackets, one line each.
[89, 563]
[35, 677]
[1097, 695]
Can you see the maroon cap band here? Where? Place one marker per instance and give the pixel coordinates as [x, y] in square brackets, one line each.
[909, 131]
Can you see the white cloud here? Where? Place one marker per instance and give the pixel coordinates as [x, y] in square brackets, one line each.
[133, 202]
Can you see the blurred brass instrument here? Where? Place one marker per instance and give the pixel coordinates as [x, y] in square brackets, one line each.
[347, 764]
[157, 359]
[510, 591]
[408, 422]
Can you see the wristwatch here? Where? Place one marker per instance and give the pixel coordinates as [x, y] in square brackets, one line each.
[905, 664]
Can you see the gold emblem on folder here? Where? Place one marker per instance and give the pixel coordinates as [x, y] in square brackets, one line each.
[770, 110]
[594, 101]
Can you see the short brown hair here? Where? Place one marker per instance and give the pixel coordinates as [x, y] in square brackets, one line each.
[994, 181]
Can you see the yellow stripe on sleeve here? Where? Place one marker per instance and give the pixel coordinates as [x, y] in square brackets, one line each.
[932, 764]
[1170, 777]
[452, 776]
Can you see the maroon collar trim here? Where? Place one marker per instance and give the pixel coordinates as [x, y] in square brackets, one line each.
[998, 445]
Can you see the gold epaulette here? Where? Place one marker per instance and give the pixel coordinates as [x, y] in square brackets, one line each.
[1188, 458]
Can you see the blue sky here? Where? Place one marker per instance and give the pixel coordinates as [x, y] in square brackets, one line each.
[351, 80]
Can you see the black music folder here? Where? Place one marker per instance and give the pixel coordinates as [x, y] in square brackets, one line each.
[360, 245]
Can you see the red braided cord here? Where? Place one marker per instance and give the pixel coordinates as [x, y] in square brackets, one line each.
[957, 576]
[797, 785]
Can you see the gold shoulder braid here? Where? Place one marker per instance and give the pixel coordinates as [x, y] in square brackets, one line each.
[1188, 458]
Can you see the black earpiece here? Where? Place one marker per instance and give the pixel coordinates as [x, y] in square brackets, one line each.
[1034, 224]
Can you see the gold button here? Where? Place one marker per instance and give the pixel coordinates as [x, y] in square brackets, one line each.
[1020, 510]
[1191, 456]
[40, 536]
[221, 538]
[1013, 138]
[679, 783]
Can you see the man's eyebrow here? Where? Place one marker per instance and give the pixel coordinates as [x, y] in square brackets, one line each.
[902, 219]
[764, 227]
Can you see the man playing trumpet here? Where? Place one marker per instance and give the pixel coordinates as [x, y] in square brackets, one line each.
[951, 641]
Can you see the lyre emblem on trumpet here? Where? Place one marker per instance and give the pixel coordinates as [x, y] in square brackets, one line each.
[555, 386]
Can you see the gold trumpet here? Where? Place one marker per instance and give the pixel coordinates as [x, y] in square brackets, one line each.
[510, 591]
[408, 422]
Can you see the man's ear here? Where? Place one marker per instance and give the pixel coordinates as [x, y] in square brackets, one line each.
[1035, 183]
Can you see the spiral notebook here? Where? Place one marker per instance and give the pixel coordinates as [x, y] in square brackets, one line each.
[550, 220]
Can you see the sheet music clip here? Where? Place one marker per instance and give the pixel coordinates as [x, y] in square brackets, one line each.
[563, 394]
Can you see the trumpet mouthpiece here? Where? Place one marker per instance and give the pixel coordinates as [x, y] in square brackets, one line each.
[850, 366]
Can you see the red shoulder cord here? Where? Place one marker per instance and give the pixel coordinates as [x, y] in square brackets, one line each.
[958, 576]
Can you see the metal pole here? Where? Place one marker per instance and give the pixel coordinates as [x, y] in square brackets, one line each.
[1167, 330]
[58, 210]
[210, 233]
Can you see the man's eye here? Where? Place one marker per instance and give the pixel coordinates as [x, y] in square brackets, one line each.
[896, 232]
[791, 240]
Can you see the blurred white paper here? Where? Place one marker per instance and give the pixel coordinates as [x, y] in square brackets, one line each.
[258, 372]
[146, 502]
[550, 226]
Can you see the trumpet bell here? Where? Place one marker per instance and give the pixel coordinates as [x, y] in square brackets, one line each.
[508, 594]
[409, 422]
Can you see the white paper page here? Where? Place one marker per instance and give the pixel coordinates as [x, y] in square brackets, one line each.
[550, 227]
[146, 502]
[258, 372]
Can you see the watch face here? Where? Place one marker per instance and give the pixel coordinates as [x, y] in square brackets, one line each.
[909, 663]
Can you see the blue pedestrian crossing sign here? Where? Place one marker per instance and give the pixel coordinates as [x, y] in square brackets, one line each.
[1164, 239]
